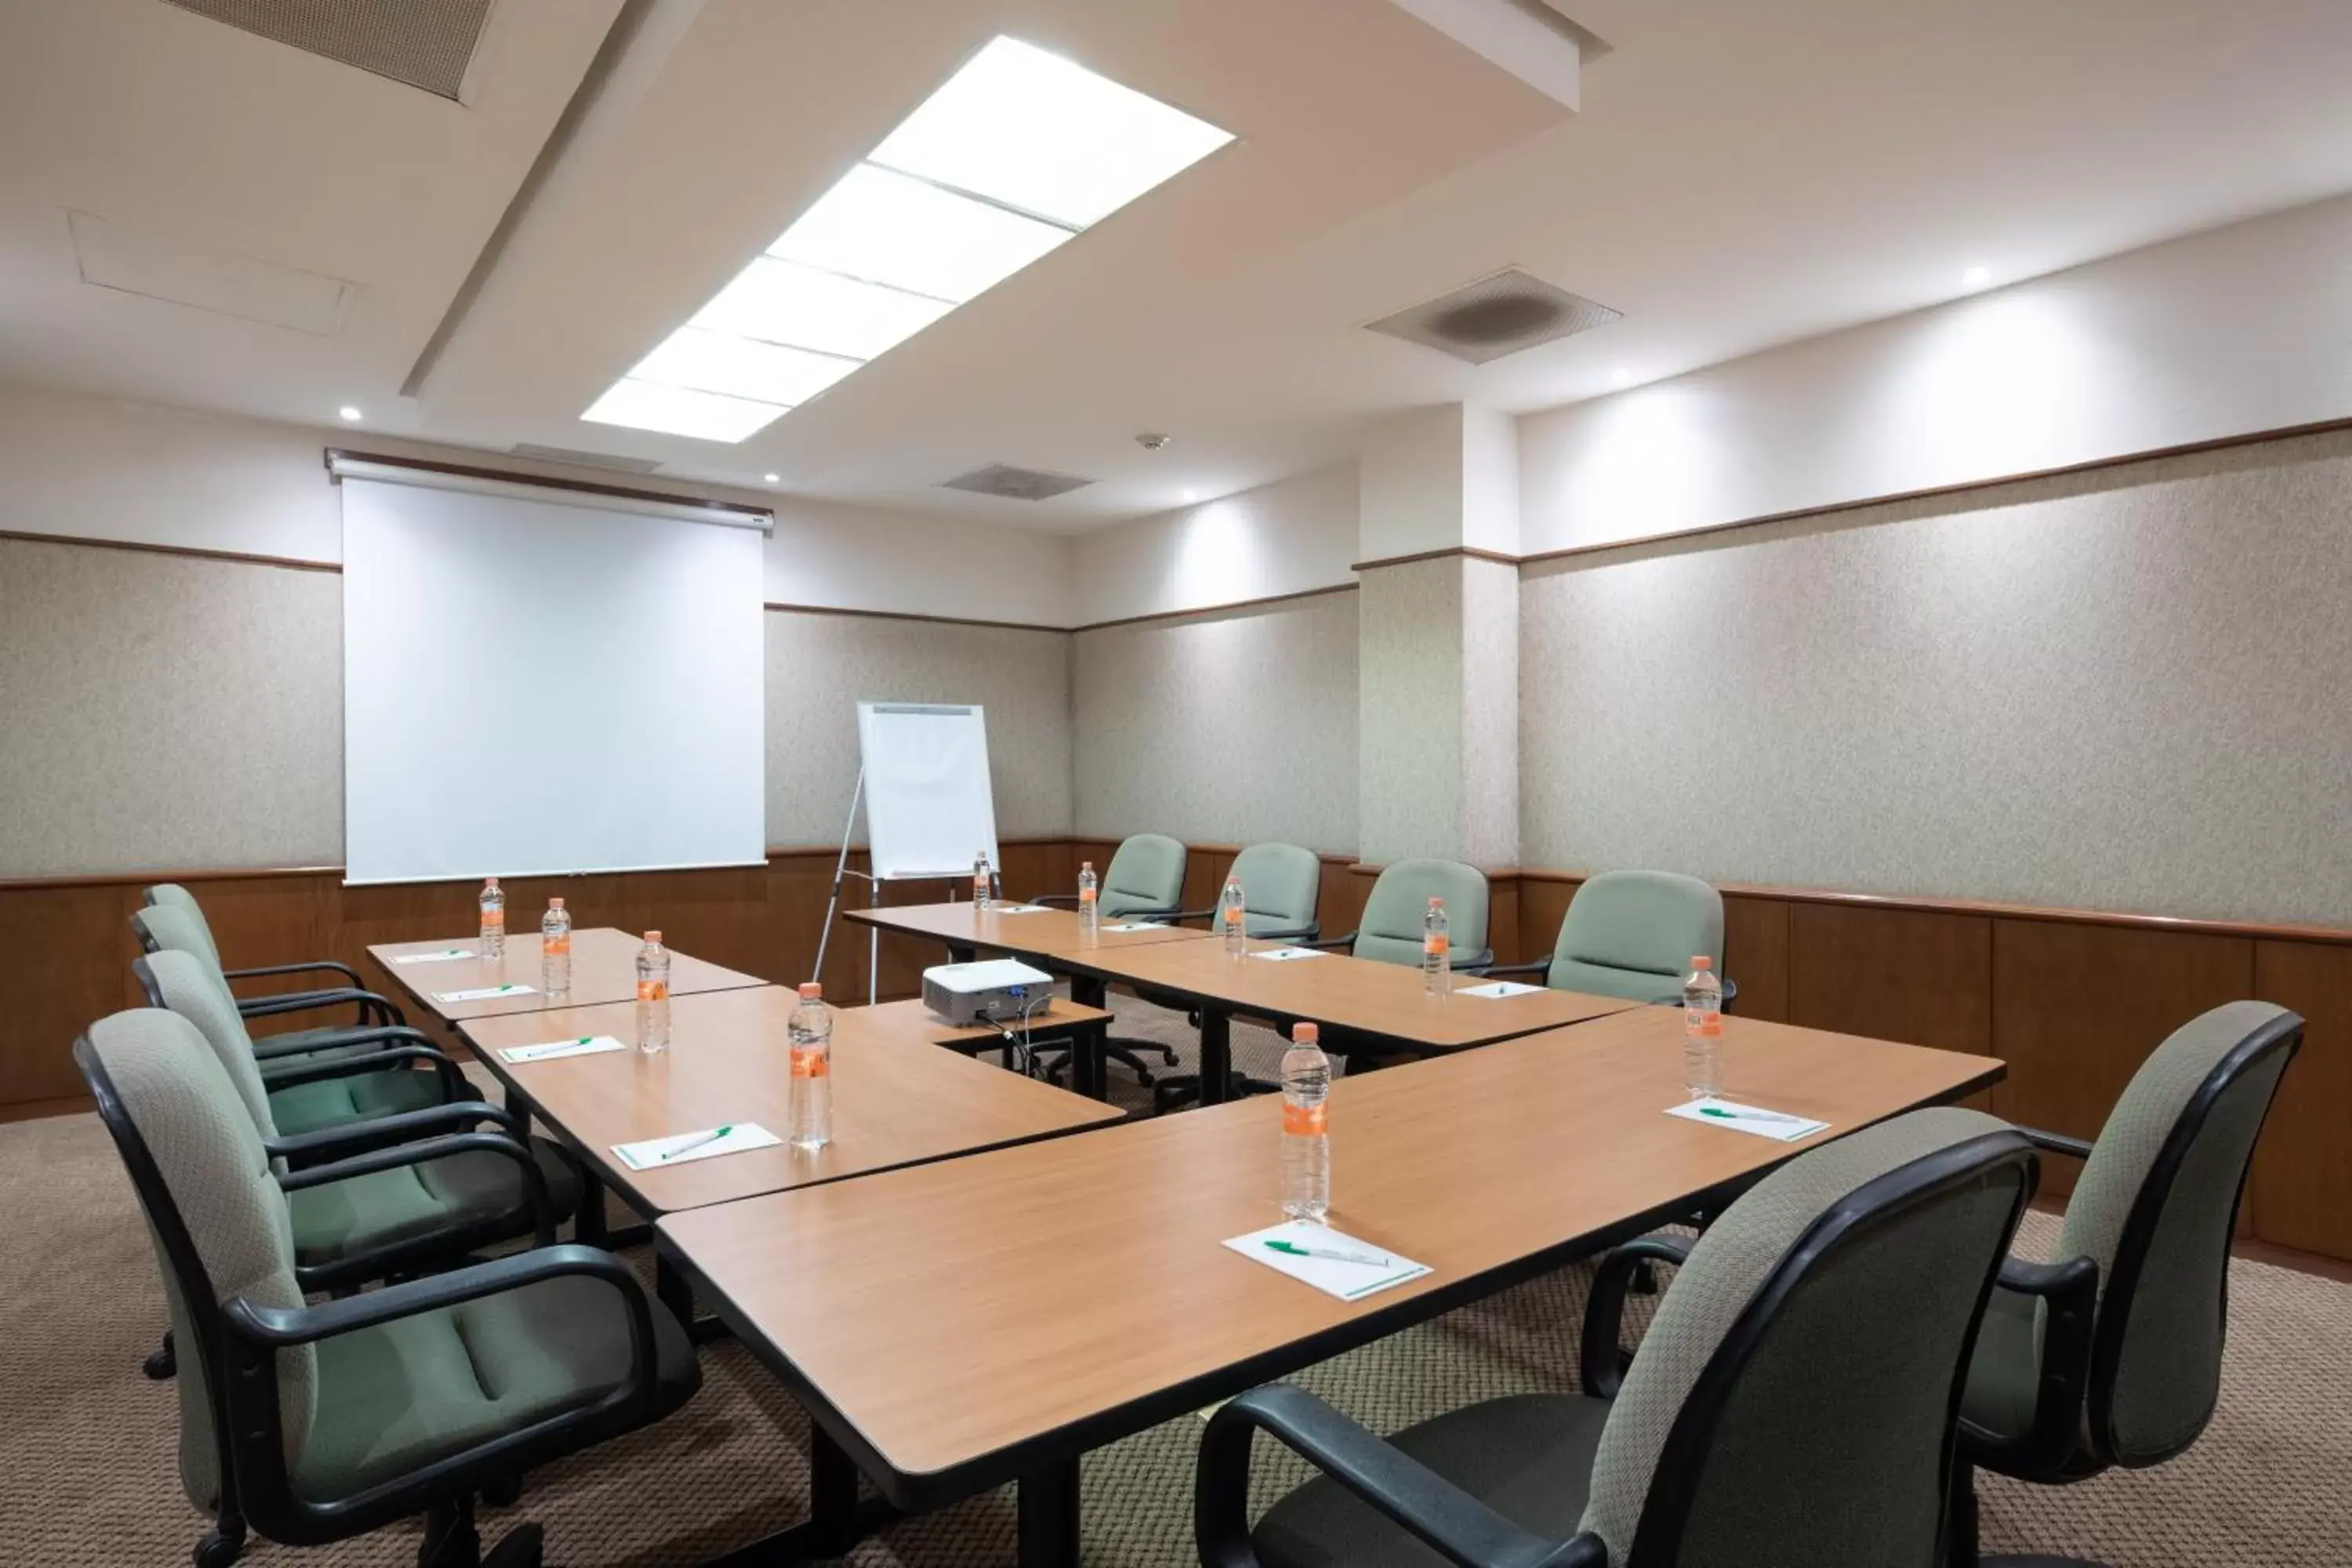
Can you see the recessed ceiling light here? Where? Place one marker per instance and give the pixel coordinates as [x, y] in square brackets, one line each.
[1976, 277]
[1621, 376]
[1191, 494]
[680, 411]
[771, 479]
[1013, 155]
[348, 412]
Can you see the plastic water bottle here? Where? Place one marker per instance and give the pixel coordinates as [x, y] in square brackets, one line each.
[555, 949]
[494, 919]
[1233, 917]
[1436, 951]
[979, 880]
[1703, 1030]
[1089, 901]
[1306, 1127]
[653, 995]
[811, 1033]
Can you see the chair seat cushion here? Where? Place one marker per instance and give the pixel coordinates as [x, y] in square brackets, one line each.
[340, 1102]
[1529, 1458]
[401, 1395]
[2005, 1374]
[342, 1219]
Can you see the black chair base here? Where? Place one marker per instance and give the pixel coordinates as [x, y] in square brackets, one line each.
[2037, 1561]
[451, 1542]
[1174, 1094]
[162, 1363]
[221, 1548]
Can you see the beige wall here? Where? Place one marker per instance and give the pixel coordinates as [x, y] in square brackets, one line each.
[1230, 727]
[2122, 691]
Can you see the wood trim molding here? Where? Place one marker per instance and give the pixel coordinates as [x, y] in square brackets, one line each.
[777, 607]
[1468, 552]
[518, 477]
[195, 551]
[1207, 610]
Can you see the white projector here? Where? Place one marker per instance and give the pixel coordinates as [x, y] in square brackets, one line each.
[999, 990]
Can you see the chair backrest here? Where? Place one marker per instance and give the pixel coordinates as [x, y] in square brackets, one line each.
[214, 1210]
[2156, 1207]
[1281, 885]
[182, 982]
[1801, 1383]
[1146, 876]
[1390, 929]
[168, 927]
[1634, 933]
[172, 896]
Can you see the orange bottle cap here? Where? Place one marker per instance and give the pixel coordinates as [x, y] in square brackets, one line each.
[811, 990]
[555, 903]
[653, 938]
[1701, 960]
[1304, 1035]
[1436, 903]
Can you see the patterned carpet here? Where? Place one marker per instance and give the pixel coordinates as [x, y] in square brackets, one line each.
[86, 1468]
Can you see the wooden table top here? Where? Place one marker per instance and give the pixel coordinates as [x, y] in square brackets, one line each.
[897, 1098]
[1048, 931]
[604, 969]
[918, 1020]
[1087, 1278]
[1339, 992]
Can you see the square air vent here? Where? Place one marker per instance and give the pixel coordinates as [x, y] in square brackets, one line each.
[425, 43]
[1017, 484]
[1495, 316]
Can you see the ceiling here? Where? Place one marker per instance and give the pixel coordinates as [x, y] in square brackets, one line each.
[1740, 174]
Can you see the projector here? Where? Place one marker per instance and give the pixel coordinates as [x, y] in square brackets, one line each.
[999, 990]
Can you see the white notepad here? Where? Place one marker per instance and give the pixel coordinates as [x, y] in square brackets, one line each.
[1348, 1280]
[1285, 954]
[484, 992]
[683, 1149]
[1017, 908]
[1498, 988]
[446, 955]
[1774, 1124]
[1137, 925]
[586, 1045]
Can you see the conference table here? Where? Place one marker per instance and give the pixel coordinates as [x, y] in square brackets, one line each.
[1094, 1297]
[604, 969]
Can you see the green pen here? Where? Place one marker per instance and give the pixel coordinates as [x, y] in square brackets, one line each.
[707, 1138]
[1747, 1115]
[1293, 1249]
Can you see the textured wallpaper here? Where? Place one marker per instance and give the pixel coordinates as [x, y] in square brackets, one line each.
[162, 713]
[1222, 727]
[1412, 774]
[820, 667]
[2127, 690]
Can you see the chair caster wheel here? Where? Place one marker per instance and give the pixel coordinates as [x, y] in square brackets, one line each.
[218, 1551]
[161, 1365]
[520, 1549]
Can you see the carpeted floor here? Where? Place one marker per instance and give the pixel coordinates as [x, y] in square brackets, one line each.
[87, 1443]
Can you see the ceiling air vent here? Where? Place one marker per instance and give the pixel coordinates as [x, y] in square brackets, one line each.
[1495, 316]
[584, 459]
[1017, 484]
[425, 43]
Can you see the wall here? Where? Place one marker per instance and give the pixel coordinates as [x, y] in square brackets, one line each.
[1292, 537]
[1232, 727]
[2234, 330]
[2121, 690]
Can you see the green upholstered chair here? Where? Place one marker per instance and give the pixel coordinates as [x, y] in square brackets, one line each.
[2110, 1354]
[1390, 930]
[1144, 881]
[1633, 934]
[1792, 1401]
[311, 1424]
[1282, 887]
[170, 920]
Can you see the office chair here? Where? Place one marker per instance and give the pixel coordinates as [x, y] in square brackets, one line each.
[1390, 930]
[181, 927]
[2110, 1354]
[1282, 885]
[1145, 882]
[1792, 1401]
[315, 1423]
[1633, 934]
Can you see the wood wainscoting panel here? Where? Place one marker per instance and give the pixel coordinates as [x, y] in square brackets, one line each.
[1894, 974]
[73, 947]
[267, 920]
[1756, 956]
[2077, 1009]
[1543, 904]
[2301, 1194]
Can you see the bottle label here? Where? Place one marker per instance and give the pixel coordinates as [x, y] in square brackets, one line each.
[1435, 944]
[1233, 918]
[653, 990]
[1306, 1120]
[811, 1063]
[1085, 895]
[559, 945]
[1707, 1024]
[494, 920]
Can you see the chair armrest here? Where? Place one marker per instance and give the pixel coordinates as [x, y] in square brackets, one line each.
[2069, 1292]
[1332, 944]
[1604, 1308]
[358, 1136]
[1479, 962]
[367, 1001]
[267, 1049]
[2057, 1143]
[1172, 918]
[1450, 1521]
[392, 1157]
[1069, 898]
[294, 1074]
[1540, 966]
[323, 965]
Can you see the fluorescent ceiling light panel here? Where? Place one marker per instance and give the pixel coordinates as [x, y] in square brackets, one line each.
[680, 411]
[1019, 151]
[1035, 131]
[741, 367]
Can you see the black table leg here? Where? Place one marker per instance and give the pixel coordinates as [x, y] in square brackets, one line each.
[1087, 1046]
[959, 953]
[588, 1223]
[833, 1497]
[673, 1289]
[1216, 1055]
[1048, 1528]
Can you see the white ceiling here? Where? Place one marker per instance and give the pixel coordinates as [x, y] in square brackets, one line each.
[1741, 173]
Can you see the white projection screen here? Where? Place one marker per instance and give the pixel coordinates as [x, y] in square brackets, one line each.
[537, 684]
